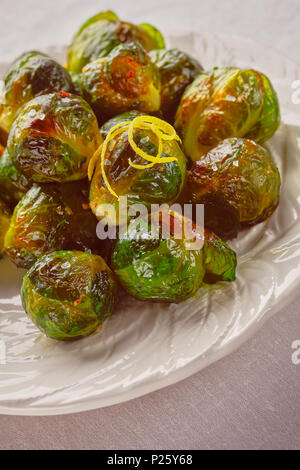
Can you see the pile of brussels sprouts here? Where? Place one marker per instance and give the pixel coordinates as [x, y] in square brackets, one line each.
[144, 122]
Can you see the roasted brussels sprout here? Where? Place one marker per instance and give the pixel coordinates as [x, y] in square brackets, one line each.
[122, 168]
[53, 138]
[238, 174]
[167, 270]
[126, 79]
[13, 185]
[31, 75]
[4, 224]
[223, 103]
[68, 294]
[53, 217]
[103, 32]
[177, 71]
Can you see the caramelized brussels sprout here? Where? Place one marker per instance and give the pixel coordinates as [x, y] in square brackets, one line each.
[103, 32]
[4, 224]
[156, 269]
[53, 138]
[224, 103]
[167, 269]
[177, 71]
[13, 185]
[31, 75]
[126, 79]
[50, 218]
[68, 294]
[119, 170]
[238, 174]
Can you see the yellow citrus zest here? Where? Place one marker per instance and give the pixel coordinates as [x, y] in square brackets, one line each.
[162, 130]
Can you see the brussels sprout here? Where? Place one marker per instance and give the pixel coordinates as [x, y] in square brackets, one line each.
[68, 294]
[13, 185]
[50, 218]
[239, 174]
[32, 74]
[177, 70]
[53, 138]
[4, 224]
[125, 79]
[166, 269]
[103, 32]
[223, 103]
[160, 183]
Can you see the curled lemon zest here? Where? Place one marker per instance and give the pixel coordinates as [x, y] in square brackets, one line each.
[161, 129]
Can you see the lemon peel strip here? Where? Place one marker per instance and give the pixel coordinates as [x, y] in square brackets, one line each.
[161, 129]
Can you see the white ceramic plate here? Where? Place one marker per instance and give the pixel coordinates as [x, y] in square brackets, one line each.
[144, 346]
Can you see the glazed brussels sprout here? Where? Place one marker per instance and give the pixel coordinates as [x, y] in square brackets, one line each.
[53, 217]
[53, 138]
[122, 168]
[126, 79]
[177, 71]
[224, 103]
[167, 269]
[238, 174]
[4, 224]
[31, 75]
[103, 32]
[13, 185]
[68, 294]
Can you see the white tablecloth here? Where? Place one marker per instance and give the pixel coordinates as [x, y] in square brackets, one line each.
[250, 399]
